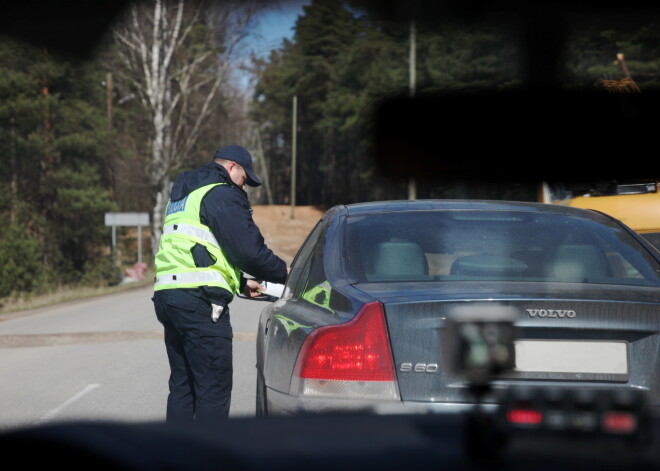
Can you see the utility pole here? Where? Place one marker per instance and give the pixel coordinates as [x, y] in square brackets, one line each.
[412, 184]
[294, 132]
[412, 66]
[108, 88]
[262, 160]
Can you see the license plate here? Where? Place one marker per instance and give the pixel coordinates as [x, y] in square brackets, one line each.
[571, 360]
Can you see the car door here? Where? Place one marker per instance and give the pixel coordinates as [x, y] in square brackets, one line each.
[276, 326]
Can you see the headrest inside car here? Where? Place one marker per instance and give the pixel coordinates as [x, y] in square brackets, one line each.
[579, 262]
[400, 260]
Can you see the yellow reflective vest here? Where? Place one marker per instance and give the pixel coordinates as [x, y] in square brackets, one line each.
[182, 230]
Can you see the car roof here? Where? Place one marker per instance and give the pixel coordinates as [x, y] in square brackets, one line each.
[360, 209]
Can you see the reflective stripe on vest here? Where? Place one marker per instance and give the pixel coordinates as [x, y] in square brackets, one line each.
[189, 229]
[192, 277]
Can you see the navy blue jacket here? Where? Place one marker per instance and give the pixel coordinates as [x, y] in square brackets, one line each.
[227, 212]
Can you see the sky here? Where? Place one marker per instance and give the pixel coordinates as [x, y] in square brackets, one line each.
[275, 24]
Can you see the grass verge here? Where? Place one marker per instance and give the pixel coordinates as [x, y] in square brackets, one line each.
[63, 295]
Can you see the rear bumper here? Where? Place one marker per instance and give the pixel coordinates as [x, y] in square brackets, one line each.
[284, 404]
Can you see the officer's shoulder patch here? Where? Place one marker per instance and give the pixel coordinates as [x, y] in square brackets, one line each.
[176, 206]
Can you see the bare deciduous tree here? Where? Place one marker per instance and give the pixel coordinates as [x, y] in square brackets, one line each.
[176, 56]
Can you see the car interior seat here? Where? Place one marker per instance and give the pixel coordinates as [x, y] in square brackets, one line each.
[399, 261]
[579, 263]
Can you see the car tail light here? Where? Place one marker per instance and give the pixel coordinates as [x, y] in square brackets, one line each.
[619, 422]
[524, 417]
[351, 359]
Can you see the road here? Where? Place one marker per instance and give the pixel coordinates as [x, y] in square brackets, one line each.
[103, 359]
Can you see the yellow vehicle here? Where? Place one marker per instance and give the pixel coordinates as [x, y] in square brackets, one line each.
[635, 204]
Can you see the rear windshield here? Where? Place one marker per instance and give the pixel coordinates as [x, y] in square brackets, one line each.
[494, 245]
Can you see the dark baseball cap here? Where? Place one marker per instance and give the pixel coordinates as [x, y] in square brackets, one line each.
[242, 157]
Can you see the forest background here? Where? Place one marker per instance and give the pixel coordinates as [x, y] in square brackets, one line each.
[80, 138]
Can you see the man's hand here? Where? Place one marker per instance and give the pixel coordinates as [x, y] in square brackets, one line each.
[252, 289]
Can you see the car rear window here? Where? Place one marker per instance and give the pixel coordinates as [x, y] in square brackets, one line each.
[494, 245]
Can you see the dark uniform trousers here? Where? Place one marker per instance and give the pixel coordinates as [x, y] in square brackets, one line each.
[200, 355]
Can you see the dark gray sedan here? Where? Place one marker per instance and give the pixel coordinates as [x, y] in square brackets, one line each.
[364, 318]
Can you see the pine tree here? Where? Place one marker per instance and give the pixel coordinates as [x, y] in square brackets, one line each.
[51, 129]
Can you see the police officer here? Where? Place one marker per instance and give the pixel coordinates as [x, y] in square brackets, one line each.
[209, 240]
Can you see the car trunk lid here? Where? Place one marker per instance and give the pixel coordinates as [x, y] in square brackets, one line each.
[563, 340]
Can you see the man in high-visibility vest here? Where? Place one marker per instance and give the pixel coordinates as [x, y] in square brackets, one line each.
[209, 240]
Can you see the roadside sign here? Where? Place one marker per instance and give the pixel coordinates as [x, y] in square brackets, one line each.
[127, 219]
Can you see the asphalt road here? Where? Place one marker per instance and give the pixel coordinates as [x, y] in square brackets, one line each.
[103, 359]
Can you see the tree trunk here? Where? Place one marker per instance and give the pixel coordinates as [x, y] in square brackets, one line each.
[158, 212]
[177, 78]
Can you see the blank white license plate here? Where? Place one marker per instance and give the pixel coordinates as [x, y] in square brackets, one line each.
[571, 360]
